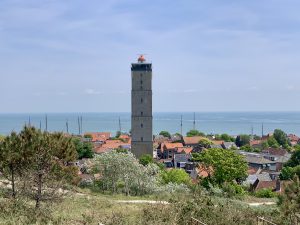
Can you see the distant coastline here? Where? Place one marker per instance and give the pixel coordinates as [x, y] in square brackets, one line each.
[209, 122]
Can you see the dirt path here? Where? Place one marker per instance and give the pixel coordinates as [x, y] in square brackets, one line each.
[261, 203]
[143, 202]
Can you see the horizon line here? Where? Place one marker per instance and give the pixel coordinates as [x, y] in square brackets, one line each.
[115, 112]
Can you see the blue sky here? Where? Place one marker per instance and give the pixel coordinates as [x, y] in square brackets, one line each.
[207, 55]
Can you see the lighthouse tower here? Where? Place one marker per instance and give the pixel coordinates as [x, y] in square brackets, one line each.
[141, 108]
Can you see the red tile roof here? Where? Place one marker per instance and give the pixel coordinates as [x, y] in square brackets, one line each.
[186, 150]
[109, 145]
[217, 142]
[124, 136]
[266, 184]
[275, 151]
[99, 136]
[172, 145]
[255, 142]
[192, 140]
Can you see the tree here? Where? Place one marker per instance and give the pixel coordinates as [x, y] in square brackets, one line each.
[118, 134]
[281, 137]
[272, 142]
[165, 134]
[146, 159]
[265, 145]
[223, 165]
[1, 138]
[84, 149]
[290, 200]
[242, 140]
[286, 173]
[193, 133]
[247, 148]
[13, 159]
[177, 176]
[205, 143]
[227, 138]
[295, 159]
[49, 162]
[88, 136]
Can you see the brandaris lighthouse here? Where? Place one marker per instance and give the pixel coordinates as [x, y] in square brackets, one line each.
[141, 108]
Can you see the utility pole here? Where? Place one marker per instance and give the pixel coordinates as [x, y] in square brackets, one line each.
[120, 127]
[81, 124]
[46, 121]
[67, 126]
[262, 130]
[78, 125]
[181, 125]
[194, 123]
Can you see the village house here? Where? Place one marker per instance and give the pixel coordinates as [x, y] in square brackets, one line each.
[99, 137]
[161, 139]
[294, 139]
[229, 145]
[258, 161]
[167, 150]
[193, 142]
[110, 145]
[256, 143]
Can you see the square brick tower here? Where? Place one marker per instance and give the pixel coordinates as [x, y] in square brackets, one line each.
[141, 108]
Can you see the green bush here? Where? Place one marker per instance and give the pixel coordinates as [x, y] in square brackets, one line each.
[265, 193]
[233, 189]
[146, 159]
[177, 176]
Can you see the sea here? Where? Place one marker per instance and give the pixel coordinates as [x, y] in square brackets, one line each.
[232, 123]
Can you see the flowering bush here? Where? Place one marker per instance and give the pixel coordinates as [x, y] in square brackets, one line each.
[122, 172]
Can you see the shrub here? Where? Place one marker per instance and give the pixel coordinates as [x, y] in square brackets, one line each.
[122, 172]
[177, 176]
[265, 193]
[165, 134]
[146, 159]
[233, 189]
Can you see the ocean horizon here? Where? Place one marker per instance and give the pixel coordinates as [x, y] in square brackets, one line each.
[233, 123]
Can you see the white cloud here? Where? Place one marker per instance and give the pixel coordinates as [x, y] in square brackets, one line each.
[92, 92]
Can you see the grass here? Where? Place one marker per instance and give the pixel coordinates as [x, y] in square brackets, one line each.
[93, 209]
[82, 207]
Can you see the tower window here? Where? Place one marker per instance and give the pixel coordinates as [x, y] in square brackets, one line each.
[142, 139]
[142, 125]
[142, 113]
[142, 100]
[141, 87]
[141, 82]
